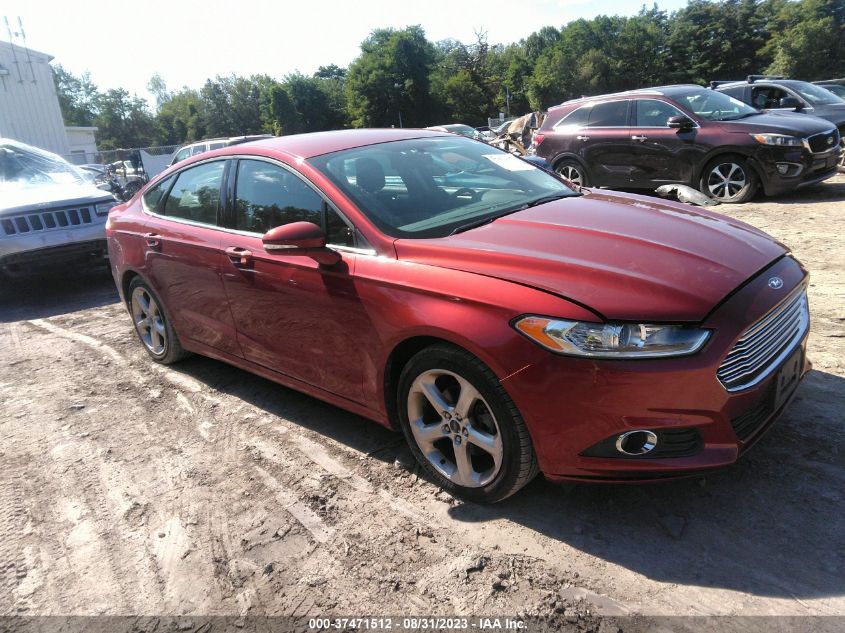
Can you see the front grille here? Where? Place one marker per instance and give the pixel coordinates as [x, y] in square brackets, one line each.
[766, 343]
[45, 221]
[747, 423]
[824, 142]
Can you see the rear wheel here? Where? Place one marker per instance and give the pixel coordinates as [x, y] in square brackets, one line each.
[729, 179]
[574, 172]
[462, 426]
[152, 325]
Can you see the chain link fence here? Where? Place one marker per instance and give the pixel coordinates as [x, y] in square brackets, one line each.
[135, 161]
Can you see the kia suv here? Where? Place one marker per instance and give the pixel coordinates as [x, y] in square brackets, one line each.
[690, 135]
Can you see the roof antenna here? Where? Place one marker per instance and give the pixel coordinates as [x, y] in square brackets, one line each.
[14, 53]
[26, 48]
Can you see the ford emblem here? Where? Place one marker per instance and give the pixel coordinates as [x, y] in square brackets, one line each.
[775, 283]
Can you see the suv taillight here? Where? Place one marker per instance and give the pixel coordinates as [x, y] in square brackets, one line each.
[538, 138]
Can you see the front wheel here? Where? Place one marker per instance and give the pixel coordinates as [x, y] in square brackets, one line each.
[462, 426]
[729, 180]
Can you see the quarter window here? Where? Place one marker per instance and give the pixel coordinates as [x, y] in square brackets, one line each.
[268, 196]
[610, 114]
[653, 113]
[196, 193]
[152, 197]
[578, 118]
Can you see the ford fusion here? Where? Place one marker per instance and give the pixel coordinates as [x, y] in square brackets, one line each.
[506, 324]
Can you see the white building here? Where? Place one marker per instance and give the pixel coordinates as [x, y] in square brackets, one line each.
[29, 106]
[82, 145]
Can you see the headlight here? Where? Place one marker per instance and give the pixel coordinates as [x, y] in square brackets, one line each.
[612, 340]
[781, 140]
[103, 208]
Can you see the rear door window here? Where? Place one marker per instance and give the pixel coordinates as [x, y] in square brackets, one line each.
[196, 193]
[609, 114]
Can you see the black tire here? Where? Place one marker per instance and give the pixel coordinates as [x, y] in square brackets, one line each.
[493, 407]
[574, 172]
[171, 350]
[729, 179]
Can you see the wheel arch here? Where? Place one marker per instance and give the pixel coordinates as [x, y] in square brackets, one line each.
[125, 280]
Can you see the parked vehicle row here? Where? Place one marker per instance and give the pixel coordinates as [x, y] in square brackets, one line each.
[504, 322]
[704, 138]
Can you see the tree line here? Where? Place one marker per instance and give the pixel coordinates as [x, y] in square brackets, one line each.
[402, 78]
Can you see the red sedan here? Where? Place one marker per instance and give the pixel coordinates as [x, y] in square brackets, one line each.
[504, 322]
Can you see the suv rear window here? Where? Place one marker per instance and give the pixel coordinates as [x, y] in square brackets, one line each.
[610, 114]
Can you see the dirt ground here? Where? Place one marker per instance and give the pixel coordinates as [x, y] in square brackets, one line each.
[128, 488]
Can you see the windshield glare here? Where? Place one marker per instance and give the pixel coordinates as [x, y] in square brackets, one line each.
[816, 95]
[21, 165]
[714, 106]
[428, 187]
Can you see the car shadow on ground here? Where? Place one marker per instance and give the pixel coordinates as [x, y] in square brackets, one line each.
[59, 292]
[770, 525]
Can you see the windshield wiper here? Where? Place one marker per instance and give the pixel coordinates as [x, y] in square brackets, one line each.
[556, 196]
[533, 203]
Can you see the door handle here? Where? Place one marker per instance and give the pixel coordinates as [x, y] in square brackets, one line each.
[583, 138]
[239, 256]
[636, 137]
[153, 240]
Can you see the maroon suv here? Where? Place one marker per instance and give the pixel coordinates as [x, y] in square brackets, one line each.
[689, 135]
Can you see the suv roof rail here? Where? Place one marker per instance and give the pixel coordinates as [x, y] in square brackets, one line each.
[752, 78]
[714, 84]
[830, 81]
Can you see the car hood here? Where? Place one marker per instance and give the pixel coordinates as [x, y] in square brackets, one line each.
[15, 198]
[791, 123]
[626, 257]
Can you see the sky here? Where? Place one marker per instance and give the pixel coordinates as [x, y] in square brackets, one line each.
[122, 44]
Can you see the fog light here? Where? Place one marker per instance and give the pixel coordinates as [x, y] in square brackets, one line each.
[782, 168]
[636, 442]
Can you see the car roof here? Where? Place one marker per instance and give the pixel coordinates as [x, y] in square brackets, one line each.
[762, 80]
[318, 143]
[658, 91]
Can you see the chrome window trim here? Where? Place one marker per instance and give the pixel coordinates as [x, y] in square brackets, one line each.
[226, 229]
[592, 104]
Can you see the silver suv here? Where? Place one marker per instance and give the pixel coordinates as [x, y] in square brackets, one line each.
[49, 213]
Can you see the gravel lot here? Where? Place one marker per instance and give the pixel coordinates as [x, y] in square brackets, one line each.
[128, 488]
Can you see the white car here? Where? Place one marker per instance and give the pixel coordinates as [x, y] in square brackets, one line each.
[49, 214]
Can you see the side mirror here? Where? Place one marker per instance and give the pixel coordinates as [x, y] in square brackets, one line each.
[300, 238]
[680, 122]
[790, 102]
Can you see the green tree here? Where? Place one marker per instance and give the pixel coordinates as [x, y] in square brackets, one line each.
[123, 120]
[77, 96]
[390, 79]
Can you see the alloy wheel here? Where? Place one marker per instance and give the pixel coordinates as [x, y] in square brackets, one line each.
[572, 174]
[149, 321]
[726, 181]
[454, 428]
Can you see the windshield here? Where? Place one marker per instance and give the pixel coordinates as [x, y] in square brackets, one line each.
[431, 187]
[815, 95]
[714, 106]
[836, 89]
[22, 165]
